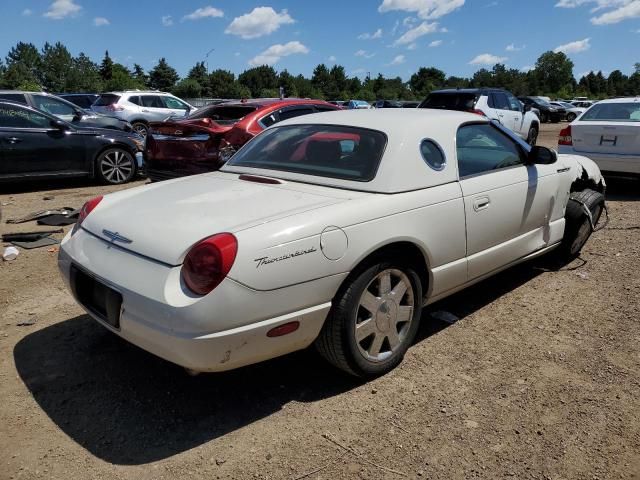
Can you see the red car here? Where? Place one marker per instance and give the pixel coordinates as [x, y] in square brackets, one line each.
[210, 136]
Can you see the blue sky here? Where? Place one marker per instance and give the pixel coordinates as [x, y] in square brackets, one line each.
[393, 37]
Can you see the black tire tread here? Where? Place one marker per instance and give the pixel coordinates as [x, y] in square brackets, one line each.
[574, 215]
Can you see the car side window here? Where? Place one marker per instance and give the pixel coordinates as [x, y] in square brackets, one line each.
[13, 97]
[174, 103]
[52, 106]
[135, 100]
[16, 117]
[483, 148]
[500, 101]
[432, 155]
[269, 120]
[286, 114]
[152, 101]
[514, 103]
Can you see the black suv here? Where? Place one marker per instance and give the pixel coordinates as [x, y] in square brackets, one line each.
[548, 112]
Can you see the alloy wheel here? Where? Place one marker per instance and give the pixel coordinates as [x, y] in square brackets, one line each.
[116, 166]
[384, 315]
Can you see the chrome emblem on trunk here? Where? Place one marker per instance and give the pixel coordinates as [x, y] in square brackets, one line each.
[116, 237]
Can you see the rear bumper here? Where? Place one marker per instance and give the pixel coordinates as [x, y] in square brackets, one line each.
[224, 330]
[614, 163]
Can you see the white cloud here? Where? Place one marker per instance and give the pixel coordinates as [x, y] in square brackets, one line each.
[435, 43]
[101, 22]
[332, 59]
[167, 20]
[26, 12]
[527, 68]
[60, 9]
[364, 53]
[260, 21]
[513, 48]
[426, 9]
[412, 35]
[618, 10]
[631, 10]
[399, 59]
[274, 53]
[574, 47]
[371, 36]
[204, 12]
[412, 46]
[487, 59]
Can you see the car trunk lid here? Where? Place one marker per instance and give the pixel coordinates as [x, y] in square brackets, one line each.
[605, 137]
[164, 220]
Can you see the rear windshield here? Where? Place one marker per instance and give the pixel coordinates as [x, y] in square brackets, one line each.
[613, 112]
[332, 151]
[104, 100]
[450, 101]
[224, 115]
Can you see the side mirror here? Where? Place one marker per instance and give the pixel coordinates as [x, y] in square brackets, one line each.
[78, 114]
[59, 125]
[542, 156]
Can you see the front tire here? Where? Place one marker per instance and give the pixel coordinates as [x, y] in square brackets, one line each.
[571, 117]
[544, 118]
[577, 228]
[373, 320]
[140, 128]
[115, 166]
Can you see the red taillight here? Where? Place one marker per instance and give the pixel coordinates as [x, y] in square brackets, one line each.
[477, 112]
[208, 262]
[85, 211]
[565, 136]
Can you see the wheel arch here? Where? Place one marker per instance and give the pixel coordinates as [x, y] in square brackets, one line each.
[400, 249]
[104, 148]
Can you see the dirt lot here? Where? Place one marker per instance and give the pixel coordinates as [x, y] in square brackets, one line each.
[539, 379]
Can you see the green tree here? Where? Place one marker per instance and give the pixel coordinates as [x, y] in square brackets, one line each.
[84, 75]
[139, 75]
[287, 82]
[56, 66]
[200, 75]
[259, 78]
[106, 67]
[338, 82]
[554, 72]
[121, 79]
[188, 88]
[163, 76]
[425, 80]
[23, 65]
[321, 80]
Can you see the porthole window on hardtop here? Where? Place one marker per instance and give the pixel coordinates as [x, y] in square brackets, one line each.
[432, 155]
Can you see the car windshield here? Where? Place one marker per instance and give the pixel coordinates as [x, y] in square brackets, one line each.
[450, 101]
[224, 114]
[332, 151]
[613, 112]
[541, 101]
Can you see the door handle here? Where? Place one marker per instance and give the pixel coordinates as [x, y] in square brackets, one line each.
[481, 203]
[13, 140]
[145, 110]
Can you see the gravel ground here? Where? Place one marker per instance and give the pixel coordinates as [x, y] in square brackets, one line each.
[539, 379]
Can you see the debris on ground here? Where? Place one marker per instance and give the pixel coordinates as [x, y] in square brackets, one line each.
[48, 197]
[10, 253]
[67, 211]
[443, 316]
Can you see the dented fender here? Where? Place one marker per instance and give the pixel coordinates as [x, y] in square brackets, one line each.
[584, 171]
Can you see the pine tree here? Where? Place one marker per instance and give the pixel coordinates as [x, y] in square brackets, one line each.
[162, 76]
[106, 67]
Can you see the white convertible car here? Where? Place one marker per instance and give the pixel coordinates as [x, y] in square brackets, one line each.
[335, 228]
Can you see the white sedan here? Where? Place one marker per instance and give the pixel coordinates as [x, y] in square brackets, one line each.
[609, 134]
[334, 229]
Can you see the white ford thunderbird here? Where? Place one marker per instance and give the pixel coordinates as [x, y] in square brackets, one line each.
[335, 228]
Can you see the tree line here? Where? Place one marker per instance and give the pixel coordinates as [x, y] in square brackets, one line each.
[54, 69]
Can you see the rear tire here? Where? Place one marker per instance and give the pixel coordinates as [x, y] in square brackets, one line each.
[571, 117]
[578, 227]
[115, 166]
[140, 128]
[532, 138]
[365, 343]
